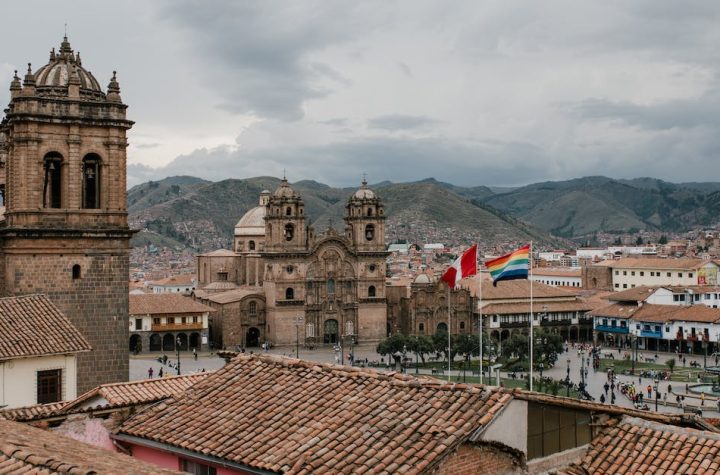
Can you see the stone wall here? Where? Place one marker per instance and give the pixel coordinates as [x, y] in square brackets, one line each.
[481, 460]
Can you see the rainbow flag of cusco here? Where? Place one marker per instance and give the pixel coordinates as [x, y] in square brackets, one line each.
[510, 266]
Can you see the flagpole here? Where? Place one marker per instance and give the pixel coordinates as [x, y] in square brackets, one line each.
[531, 315]
[449, 334]
[480, 324]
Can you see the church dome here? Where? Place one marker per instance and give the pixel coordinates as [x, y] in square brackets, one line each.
[364, 193]
[284, 190]
[64, 67]
[252, 223]
[423, 279]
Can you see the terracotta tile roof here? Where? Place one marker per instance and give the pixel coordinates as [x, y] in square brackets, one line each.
[636, 446]
[182, 279]
[29, 450]
[28, 413]
[293, 416]
[616, 310]
[638, 294]
[157, 304]
[558, 271]
[658, 263]
[524, 307]
[135, 392]
[516, 289]
[235, 295]
[32, 326]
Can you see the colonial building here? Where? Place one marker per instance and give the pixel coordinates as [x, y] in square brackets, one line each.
[168, 322]
[38, 352]
[284, 280]
[65, 231]
[422, 307]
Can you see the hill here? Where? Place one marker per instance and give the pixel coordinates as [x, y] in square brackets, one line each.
[202, 215]
[583, 206]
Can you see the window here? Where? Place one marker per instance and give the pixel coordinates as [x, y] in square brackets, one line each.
[680, 274]
[289, 269]
[195, 319]
[251, 245]
[421, 328]
[669, 274]
[623, 324]
[652, 274]
[657, 328]
[76, 272]
[369, 232]
[183, 320]
[632, 272]
[252, 308]
[617, 272]
[369, 211]
[604, 322]
[371, 267]
[49, 386]
[371, 291]
[156, 321]
[331, 286]
[617, 286]
[196, 468]
[624, 286]
[91, 181]
[289, 231]
[690, 274]
[462, 325]
[138, 324]
[288, 211]
[52, 184]
[554, 429]
[170, 320]
[624, 272]
[289, 293]
[642, 273]
[494, 318]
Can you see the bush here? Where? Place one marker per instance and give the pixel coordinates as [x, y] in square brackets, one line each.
[671, 364]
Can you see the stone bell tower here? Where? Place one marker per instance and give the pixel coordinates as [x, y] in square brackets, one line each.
[285, 229]
[65, 231]
[365, 220]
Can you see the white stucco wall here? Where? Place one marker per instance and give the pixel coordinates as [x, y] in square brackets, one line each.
[510, 426]
[18, 379]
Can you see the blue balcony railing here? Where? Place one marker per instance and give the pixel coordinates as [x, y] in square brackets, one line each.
[610, 329]
[650, 334]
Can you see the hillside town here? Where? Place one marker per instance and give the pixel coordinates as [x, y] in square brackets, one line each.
[299, 328]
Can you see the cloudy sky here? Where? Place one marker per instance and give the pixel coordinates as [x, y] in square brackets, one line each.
[472, 92]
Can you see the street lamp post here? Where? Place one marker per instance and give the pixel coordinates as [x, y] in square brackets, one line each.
[657, 394]
[402, 364]
[582, 370]
[177, 350]
[567, 378]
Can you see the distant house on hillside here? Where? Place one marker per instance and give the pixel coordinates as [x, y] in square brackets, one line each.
[184, 283]
[38, 352]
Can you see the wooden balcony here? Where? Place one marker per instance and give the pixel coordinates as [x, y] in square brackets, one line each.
[176, 327]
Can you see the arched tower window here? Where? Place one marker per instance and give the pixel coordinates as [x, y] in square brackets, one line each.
[91, 181]
[251, 245]
[370, 211]
[288, 211]
[289, 231]
[371, 291]
[252, 308]
[52, 184]
[289, 293]
[76, 272]
[369, 232]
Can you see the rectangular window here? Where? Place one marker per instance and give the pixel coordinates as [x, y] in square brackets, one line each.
[49, 386]
[624, 272]
[632, 273]
[604, 322]
[170, 320]
[617, 286]
[138, 324]
[494, 318]
[652, 274]
[156, 321]
[617, 272]
[195, 319]
[462, 325]
[642, 273]
[196, 468]
[690, 274]
[669, 274]
[624, 286]
[183, 320]
[657, 328]
[680, 274]
[623, 323]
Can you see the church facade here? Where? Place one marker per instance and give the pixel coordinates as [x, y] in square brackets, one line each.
[64, 230]
[284, 282]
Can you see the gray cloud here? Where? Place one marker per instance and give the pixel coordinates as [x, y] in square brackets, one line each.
[257, 53]
[393, 122]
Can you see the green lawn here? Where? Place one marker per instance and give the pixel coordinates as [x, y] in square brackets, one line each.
[680, 373]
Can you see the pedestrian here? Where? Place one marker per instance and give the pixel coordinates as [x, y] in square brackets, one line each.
[670, 388]
[702, 399]
[649, 391]
[606, 387]
[717, 401]
[682, 403]
[612, 398]
[716, 360]
[664, 399]
[194, 354]
[150, 373]
[602, 399]
[160, 373]
[677, 399]
[684, 360]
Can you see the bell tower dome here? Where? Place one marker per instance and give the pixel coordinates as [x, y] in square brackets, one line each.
[65, 231]
[365, 220]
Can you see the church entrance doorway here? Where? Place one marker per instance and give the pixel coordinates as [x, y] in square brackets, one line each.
[252, 338]
[195, 341]
[330, 333]
[442, 327]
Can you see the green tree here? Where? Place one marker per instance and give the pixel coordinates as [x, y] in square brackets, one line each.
[639, 241]
[516, 345]
[663, 240]
[421, 346]
[440, 343]
[671, 364]
[392, 345]
[467, 344]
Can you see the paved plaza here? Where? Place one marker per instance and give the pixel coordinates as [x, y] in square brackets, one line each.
[140, 364]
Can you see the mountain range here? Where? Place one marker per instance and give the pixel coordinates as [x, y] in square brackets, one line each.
[190, 212]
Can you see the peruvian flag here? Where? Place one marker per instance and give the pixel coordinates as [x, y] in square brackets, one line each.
[464, 266]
